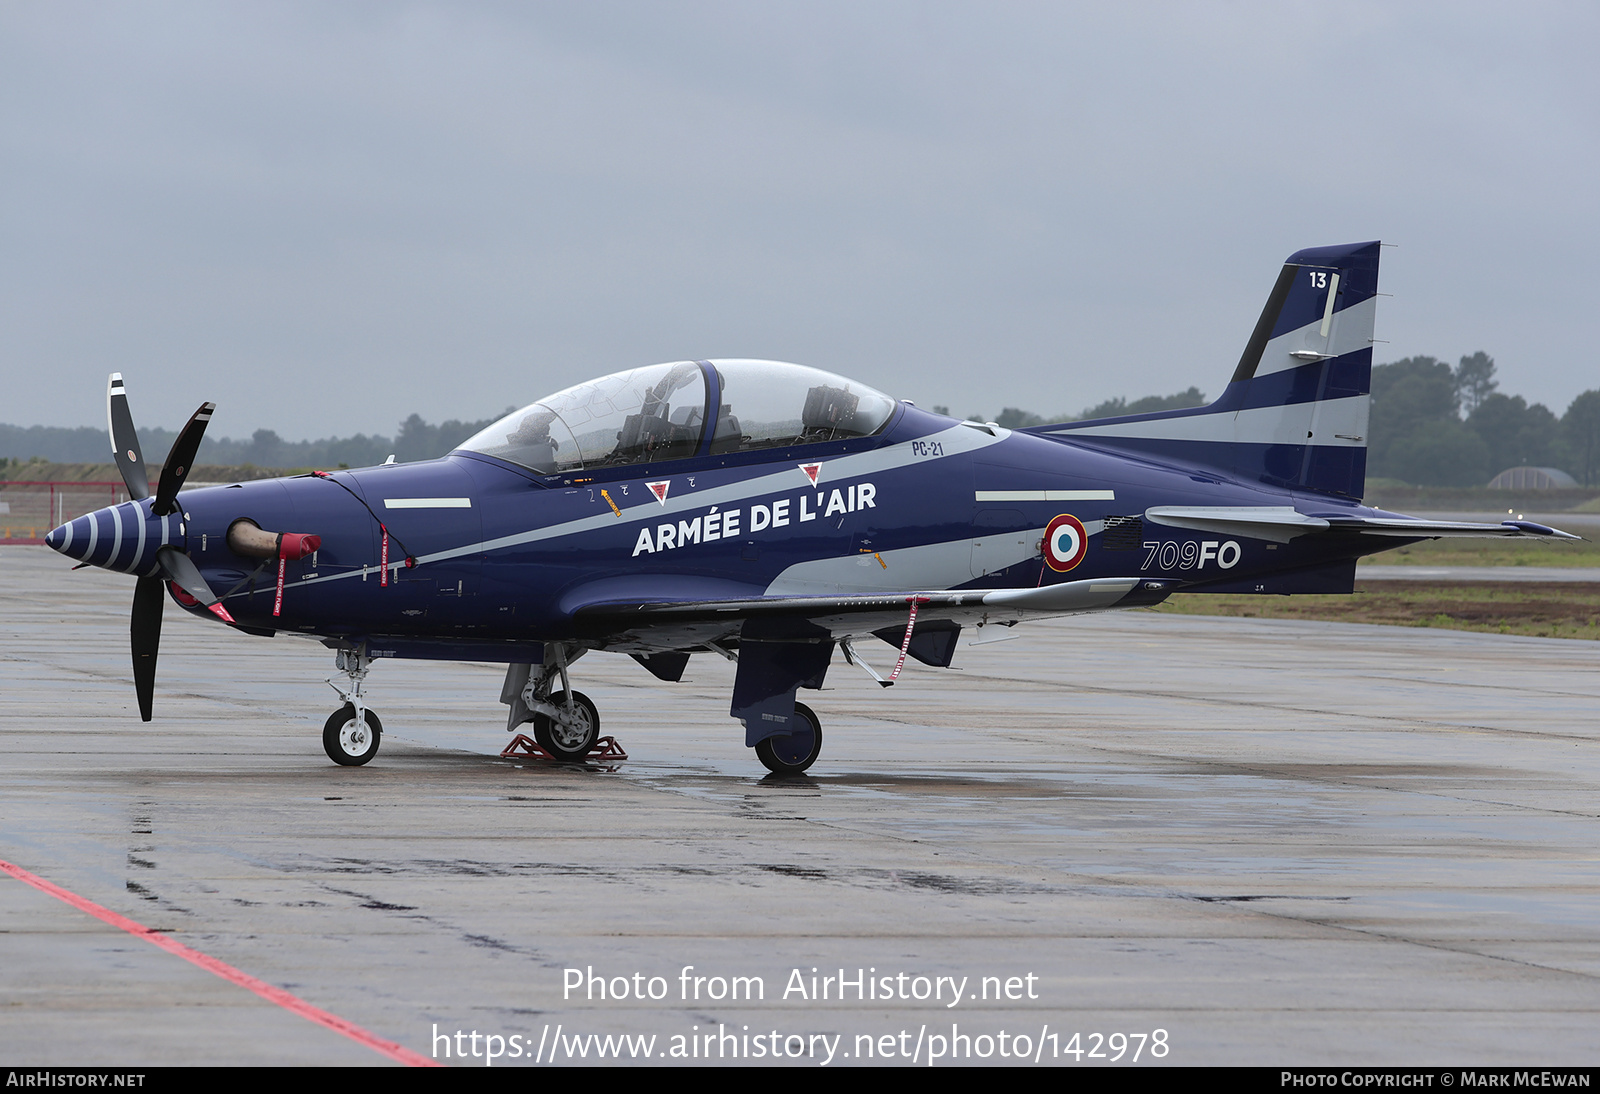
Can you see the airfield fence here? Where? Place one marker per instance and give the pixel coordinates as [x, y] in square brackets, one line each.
[28, 510]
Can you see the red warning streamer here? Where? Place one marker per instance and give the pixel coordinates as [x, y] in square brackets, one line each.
[227, 972]
[911, 625]
[295, 545]
[384, 581]
[277, 600]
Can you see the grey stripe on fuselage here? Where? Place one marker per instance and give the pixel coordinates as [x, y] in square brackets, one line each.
[956, 441]
[929, 567]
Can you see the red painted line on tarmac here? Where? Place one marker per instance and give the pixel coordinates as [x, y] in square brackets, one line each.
[223, 969]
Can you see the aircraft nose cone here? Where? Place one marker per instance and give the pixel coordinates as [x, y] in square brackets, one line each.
[122, 537]
[72, 538]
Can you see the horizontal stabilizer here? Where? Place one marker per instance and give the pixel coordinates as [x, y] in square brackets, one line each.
[1278, 523]
[1282, 523]
[1408, 528]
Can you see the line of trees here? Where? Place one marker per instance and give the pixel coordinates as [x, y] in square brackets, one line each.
[1015, 418]
[1437, 426]
[415, 440]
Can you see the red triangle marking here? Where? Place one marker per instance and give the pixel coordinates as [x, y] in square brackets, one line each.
[811, 470]
[659, 489]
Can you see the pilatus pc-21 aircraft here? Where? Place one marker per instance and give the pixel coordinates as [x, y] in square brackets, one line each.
[772, 514]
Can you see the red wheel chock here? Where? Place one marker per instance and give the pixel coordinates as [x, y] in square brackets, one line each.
[522, 746]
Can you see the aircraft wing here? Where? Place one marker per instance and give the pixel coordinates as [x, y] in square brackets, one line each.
[678, 622]
[1282, 523]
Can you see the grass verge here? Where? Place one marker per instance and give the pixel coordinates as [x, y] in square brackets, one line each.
[1491, 552]
[1541, 609]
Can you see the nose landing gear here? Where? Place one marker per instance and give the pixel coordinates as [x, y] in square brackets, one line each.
[352, 733]
[350, 740]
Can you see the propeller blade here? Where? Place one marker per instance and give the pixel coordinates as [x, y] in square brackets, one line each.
[125, 440]
[183, 573]
[145, 629]
[180, 461]
[180, 569]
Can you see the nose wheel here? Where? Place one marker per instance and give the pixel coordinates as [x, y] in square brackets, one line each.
[350, 740]
[351, 734]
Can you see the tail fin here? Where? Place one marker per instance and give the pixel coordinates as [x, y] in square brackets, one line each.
[1295, 412]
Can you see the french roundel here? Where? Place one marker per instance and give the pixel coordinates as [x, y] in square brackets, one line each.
[1065, 542]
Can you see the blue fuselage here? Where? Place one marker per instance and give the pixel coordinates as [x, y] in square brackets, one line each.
[484, 551]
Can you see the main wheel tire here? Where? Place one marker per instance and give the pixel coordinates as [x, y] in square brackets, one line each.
[793, 753]
[570, 738]
[348, 742]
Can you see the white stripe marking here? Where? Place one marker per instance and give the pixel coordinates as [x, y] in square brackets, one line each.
[427, 503]
[116, 544]
[138, 546]
[1327, 313]
[955, 441]
[1045, 495]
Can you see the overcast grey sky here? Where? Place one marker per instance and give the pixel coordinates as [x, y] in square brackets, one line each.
[327, 216]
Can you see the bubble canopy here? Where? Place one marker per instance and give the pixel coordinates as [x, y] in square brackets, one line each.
[661, 413]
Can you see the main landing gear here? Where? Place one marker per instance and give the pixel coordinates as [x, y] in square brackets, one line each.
[794, 752]
[352, 733]
[571, 731]
[566, 723]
